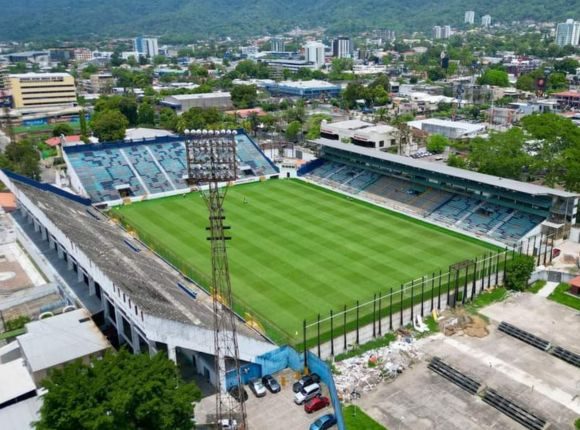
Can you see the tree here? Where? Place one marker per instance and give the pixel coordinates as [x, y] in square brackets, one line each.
[437, 143]
[109, 125]
[526, 82]
[518, 272]
[313, 125]
[120, 391]
[456, 161]
[244, 96]
[168, 118]
[568, 65]
[292, 131]
[62, 128]
[146, 114]
[22, 158]
[496, 77]
[503, 154]
[557, 81]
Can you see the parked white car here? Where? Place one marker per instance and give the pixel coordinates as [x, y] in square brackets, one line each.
[306, 393]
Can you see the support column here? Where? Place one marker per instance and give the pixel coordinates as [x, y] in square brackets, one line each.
[119, 325]
[135, 340]
[92, 289]
[44, 233]
[79, 273]
[60, 252]
[36, 226]
[171, 353]
[152, 348]
[69, 263]
[51, 243]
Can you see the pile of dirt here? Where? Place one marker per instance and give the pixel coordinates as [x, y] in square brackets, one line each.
[459, 322]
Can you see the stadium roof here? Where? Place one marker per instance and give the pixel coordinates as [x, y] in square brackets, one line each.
[494, 181]
[149, 281]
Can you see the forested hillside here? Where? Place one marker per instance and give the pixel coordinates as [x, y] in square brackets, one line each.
[54, 19]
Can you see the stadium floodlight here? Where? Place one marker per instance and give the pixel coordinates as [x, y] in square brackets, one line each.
[211, 156]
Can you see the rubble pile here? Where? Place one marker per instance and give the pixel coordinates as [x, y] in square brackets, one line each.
[461, 323]
[363, 373]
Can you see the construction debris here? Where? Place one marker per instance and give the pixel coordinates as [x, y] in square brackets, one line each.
[363, 373]
[460, 323]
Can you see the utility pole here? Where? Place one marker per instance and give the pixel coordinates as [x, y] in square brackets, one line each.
[211, 161]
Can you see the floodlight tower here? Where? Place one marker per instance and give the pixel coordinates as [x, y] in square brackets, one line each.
[211, 161]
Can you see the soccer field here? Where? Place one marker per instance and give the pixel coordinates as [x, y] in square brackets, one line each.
[297, 249]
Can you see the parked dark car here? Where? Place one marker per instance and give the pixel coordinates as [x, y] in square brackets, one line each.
[305, 381]
[316, 404]
[238, 393]
[271, 384]
[323, 423]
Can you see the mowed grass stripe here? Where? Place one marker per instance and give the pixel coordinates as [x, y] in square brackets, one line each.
[300, 250]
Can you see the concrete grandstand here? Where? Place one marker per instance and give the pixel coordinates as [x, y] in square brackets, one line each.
[491, 208]
[139, 299]
[147, 168]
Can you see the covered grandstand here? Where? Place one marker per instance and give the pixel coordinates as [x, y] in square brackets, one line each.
[488, 207]
[110, 172]
[135, 296]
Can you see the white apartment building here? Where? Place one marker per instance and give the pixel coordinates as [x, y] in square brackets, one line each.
[314, 53]
[568, 33]
[469, 17]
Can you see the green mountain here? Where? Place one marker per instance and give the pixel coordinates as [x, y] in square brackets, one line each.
[66, 19]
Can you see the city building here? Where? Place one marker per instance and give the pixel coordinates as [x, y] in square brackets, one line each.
[568, 99]
[437, 32]
[314, 53]
[249, 51]
[277, 45]
[101, 83]
[42, 90]
[469, 17]
[41, 58]
[446, 32]
[450, 129]
[183, 103]
[146, 46]
[342, 47]
[82, 55]
[360, 133]
[305, 89]
[61, 55]
[486, 20]
[277, 67]
[568, 33]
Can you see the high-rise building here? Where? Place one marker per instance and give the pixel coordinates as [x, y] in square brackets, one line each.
[486, 20]
[42, 90]
[277, 45]
[446, 32]
[568, 33]
[437, 32]
[82, 55]
[146, 46]
[342, 47]
[314, 53]
[469, 17]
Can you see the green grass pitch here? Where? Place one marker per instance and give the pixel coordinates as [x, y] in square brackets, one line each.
[299, 250]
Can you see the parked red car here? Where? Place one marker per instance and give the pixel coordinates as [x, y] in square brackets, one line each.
[316, 404]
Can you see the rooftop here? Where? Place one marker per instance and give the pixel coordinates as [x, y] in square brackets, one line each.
[352, 124]
[59, 339]
[16, 380]
[145, 133]
[495, 181]
[467, 126]
[312, 84]
[40, 75]
[148, 281]
[199, 96]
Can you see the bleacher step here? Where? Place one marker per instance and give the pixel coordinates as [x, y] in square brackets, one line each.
[467, 215]
[502, 222]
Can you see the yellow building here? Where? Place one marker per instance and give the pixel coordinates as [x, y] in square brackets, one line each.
[42, 90]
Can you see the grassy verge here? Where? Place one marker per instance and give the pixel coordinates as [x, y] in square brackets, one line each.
[356, 419]
[536, 286]
[379, 342]
[560, 295]
[13, 333]
[485, 299]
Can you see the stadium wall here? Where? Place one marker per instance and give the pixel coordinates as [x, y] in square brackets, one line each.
[75, 181]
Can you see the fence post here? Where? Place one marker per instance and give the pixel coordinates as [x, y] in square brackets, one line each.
[357, 333]
[448, 285]
[422, 294]
[456, 288]
[552, 249]
[545, 253]
[380, 316]
[318, 334]
[432, 290]
[497, 268]
[412, 300]
[331, 334]
[401, 305]
[304, 343]
[489, 269]
[483, 273]
[391, 309]
[505, 266]
[439, 291]
[528, 247]
[465, 285]
[473, 283]
[374, 315]
[344, 328]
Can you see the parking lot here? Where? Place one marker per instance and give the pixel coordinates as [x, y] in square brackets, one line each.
[278, 411]
[273, 411]
[539, 382]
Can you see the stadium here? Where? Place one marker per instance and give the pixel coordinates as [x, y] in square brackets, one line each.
[345, 227]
